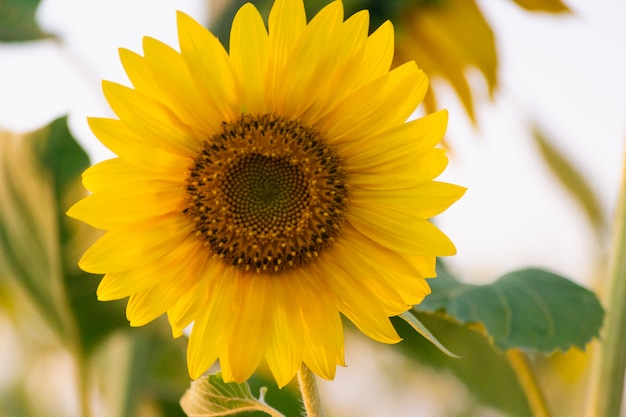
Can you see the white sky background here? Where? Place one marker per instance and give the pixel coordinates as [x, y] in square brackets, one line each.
[567, 73]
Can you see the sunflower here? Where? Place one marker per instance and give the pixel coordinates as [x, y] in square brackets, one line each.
[262, 193]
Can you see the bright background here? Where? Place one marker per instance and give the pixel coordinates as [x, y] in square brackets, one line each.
[566, 74]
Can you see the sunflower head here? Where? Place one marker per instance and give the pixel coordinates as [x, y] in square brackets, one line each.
[263, 193]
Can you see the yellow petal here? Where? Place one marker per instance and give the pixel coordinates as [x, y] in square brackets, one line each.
[446, 40]
[150, 121]
[123, 142]
[248, 56]
[185, 260]
[136, 202]
[177, 88]
[378, 54]
[213, 324]
[187, 306]
[210, 70]
[180, 278]
[402, 233]
[251, 333]
[407, 141]
[136, 245]
[362, 296]
[287, 21]
[323, 331]
[285, 350]
[114, 173]
[400, 174]
[334, 78]
[424, 201]
[406, 277]
[377, 106]
[552, 6]
[299, 84]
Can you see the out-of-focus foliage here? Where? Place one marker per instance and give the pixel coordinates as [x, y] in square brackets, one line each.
[17, 21]
[30, 251]
[39, 180]
[573, 181]
[484, 372]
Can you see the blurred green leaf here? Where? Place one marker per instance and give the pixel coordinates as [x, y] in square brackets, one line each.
[157, 371]
[530, 309]
[30, 253]
[573, 181]
[17, 21]
[484, 371]
[210, 396]
[15, 402]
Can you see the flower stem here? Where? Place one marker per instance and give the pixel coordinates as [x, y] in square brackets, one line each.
[310, 394]
[527, 380]
[82, 385]
[610, 382]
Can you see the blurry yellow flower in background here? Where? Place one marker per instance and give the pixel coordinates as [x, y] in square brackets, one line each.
[260, 193]
[447, 37]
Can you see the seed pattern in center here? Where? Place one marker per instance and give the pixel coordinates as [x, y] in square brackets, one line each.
[266, 194]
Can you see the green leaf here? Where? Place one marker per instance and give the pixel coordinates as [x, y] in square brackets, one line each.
[30, 253]
[573, 181]
[17, 21]
[423, 330]
[210, 396]
[156, 371]
[531, 309]
[287, 399]
[484, 371]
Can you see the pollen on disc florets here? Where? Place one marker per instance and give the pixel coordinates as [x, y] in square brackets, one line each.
[266, 193]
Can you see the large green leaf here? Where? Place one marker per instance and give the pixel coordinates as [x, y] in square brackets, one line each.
[157, 371]
[210, 396]
[17, 21]
[531, 309]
